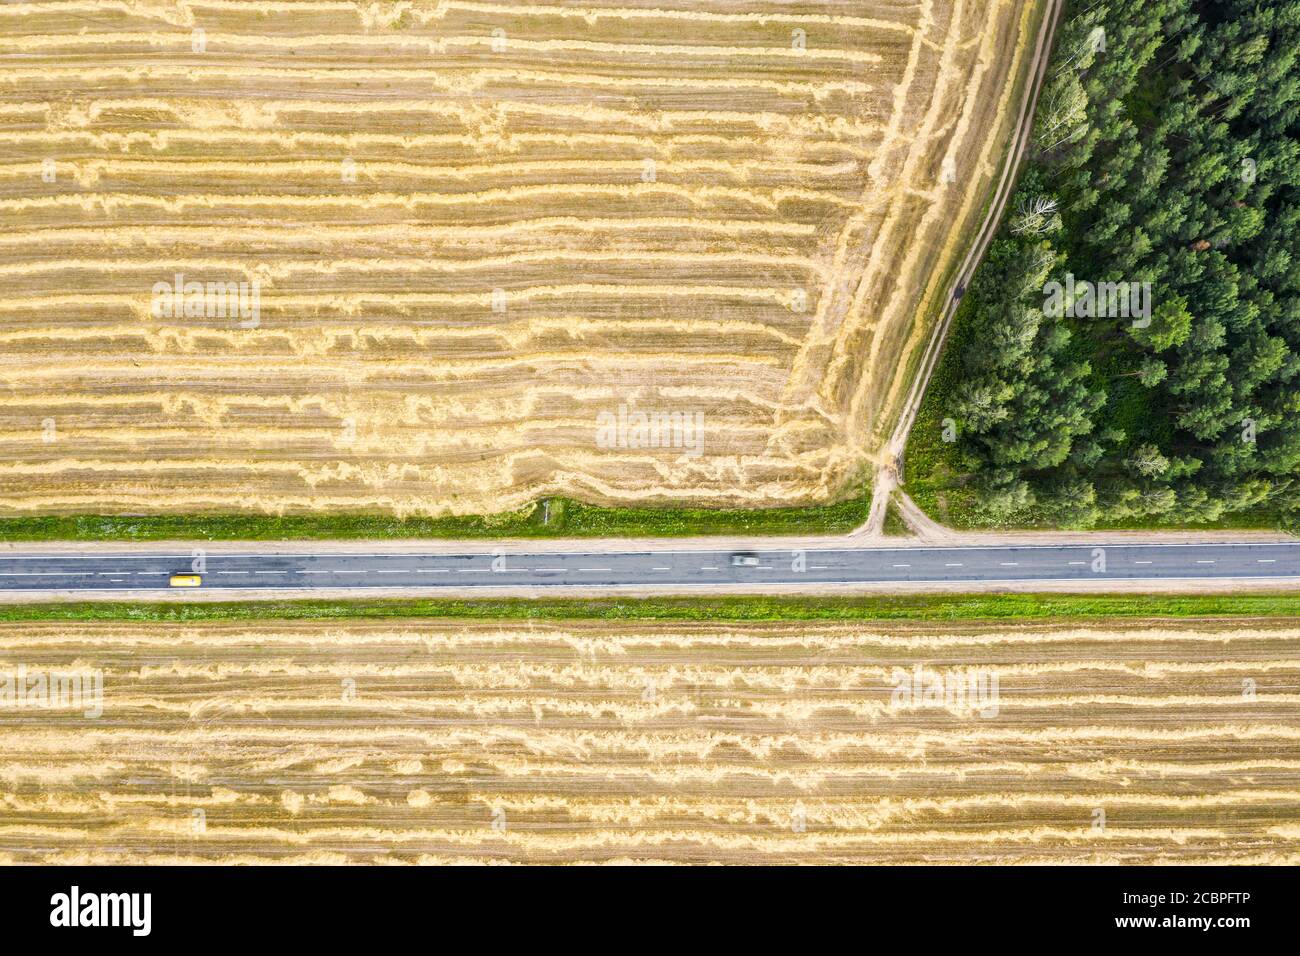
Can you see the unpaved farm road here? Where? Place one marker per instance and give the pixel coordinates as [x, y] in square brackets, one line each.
[1016, 566]
[890, 460]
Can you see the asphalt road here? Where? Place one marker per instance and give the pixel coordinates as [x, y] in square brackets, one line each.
[678, 569]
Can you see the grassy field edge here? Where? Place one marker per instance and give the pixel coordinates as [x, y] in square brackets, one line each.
[548, 518]
[939, 607]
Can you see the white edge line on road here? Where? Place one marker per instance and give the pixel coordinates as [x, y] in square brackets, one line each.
[735, 585]
[218, 555]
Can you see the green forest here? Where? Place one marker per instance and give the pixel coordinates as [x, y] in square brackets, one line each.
[1164, 164]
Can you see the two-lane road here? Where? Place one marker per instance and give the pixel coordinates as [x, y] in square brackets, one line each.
[663, 569]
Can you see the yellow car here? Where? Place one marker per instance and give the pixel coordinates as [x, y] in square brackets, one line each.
[186, 580]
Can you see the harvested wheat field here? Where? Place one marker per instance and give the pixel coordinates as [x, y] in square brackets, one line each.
[411, 258]
[426, 741]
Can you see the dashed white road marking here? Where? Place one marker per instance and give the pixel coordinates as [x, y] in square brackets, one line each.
[593, 569]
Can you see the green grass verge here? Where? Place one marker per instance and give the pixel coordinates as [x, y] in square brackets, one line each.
[937, 607]
[895, 526]
[552, 518]
[933, 475]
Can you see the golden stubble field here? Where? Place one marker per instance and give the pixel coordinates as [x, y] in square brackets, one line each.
[428, 741]
[467, 230]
